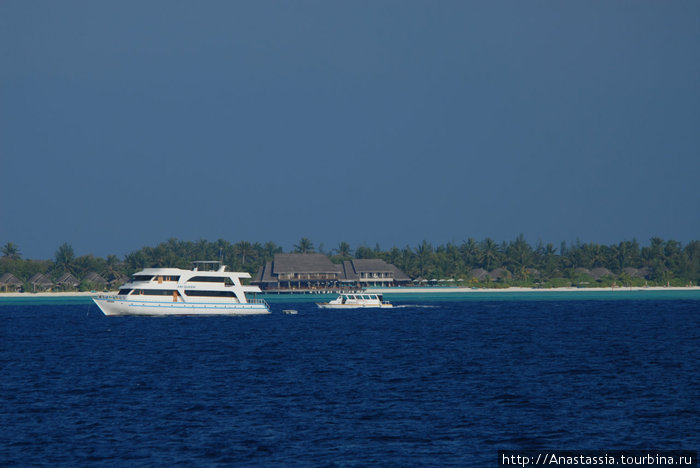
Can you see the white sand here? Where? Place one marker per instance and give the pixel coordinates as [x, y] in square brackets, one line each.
[54, 294]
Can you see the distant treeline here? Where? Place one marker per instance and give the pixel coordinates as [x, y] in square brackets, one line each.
[470, 262]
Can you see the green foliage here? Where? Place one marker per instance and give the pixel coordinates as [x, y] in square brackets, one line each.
[11, 251]
[659, 264]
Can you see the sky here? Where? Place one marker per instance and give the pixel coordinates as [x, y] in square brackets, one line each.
[124, 124]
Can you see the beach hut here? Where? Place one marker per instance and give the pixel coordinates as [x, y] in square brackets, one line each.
[95, 279]
[479, 274]
[637, 272]
[67, 281]
[533, 273]
[40, 282]
[598, 273]
[499, 274]
[10, 283]
[117, 280]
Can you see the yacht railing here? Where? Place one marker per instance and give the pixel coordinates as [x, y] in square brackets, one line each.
[259, 301]
[115, 297]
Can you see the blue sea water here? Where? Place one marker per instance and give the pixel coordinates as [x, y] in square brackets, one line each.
[438, 383]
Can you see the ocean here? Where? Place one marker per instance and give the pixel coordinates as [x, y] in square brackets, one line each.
[429, 383]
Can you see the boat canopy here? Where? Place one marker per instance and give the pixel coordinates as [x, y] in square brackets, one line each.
[205, 265]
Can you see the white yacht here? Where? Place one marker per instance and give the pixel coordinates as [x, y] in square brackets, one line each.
[207, 289]
[356, 301]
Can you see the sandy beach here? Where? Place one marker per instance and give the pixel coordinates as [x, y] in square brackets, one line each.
[55, 294]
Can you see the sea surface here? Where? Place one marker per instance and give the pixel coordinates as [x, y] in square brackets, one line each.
[429, 383]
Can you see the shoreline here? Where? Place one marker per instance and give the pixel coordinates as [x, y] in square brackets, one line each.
[409, 290]
[461, 290]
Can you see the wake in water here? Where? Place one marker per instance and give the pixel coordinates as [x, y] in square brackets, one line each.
[415, 306]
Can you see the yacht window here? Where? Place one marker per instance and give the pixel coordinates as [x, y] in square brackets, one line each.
[372, 296]
[210, 293]
[208, 279]
[124, 292]
[154, 292]
[143, 277]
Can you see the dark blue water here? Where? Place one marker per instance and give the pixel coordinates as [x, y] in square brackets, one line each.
[448, 384]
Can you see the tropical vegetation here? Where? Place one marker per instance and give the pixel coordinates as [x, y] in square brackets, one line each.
[484, 263]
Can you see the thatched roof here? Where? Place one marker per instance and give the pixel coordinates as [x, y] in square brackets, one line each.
[637, 272]
[534, 272]
[93, 277]
[350, 270]
[41, 280]
[8, 279]
[353, 269]
[264, 275]
[349, 273]
[68, 279]
[479, 273]
[303, 263]
[598, 273]
[117, 279]
[499, 273]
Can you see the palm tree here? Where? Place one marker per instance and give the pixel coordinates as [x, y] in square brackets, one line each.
[489, 253]
[343, 250]
[242, 249]
[519, 256]
[65, 256]
[423, 254]
[270, 249]
[470, 252]
[11, 251]
[304, 246]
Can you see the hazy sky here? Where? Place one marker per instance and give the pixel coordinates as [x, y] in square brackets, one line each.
[123, 124]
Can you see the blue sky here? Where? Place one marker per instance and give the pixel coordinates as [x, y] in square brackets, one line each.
[123, 124]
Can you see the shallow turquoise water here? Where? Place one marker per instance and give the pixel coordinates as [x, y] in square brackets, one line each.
[602, 295]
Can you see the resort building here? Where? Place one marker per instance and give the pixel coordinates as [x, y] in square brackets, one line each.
[10, 283]
[95, 279]
[67, 282]
[40, 282]
[316, 271]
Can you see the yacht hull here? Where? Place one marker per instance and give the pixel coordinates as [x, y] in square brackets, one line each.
[114, 307]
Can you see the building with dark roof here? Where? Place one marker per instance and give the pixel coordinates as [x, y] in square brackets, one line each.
[9, 282]
[67, 281]
[40, 282]
[95, 279]
[372, 272]
[316, 271]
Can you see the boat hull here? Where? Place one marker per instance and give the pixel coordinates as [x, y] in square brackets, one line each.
[115, 307]
[325, 305]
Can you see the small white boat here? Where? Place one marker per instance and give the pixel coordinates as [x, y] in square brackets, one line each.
[208, 289]
[356, 301]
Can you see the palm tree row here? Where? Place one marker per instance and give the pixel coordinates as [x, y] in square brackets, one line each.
[660, 262]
